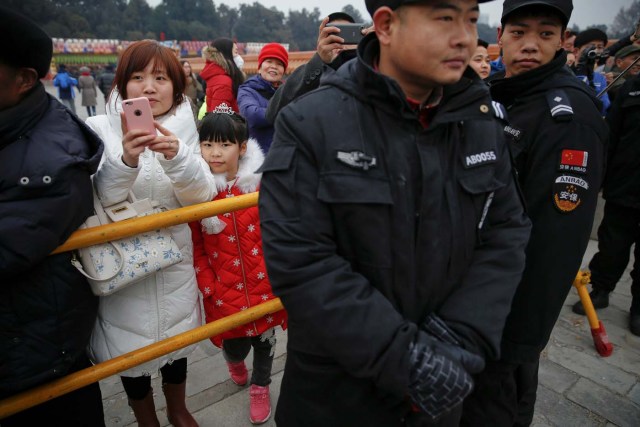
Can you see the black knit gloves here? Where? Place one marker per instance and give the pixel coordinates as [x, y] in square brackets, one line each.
[440, 369]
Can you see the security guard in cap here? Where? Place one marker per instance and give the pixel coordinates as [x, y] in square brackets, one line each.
[557, 139]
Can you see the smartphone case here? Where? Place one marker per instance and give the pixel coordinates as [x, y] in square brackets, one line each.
[138, 114]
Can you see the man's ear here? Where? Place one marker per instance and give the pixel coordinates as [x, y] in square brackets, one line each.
[26, 79]
[383, 20]
[499, 36]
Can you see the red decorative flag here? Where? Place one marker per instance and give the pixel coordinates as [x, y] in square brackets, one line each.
[574, 158]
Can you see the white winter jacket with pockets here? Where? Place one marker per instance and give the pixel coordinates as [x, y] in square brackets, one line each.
[166, 303]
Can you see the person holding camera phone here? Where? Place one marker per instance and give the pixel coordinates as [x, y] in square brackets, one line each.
[161, 164]
[330, 51]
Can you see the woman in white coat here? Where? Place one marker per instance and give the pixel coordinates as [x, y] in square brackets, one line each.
[161, 167]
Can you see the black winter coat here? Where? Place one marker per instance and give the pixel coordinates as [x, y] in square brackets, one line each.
[558, 138]
[371, 222]
[47, 309]
[622, 180]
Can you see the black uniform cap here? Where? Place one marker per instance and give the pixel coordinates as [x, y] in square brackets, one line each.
[565, 7]
[24, 44]
[373, 5]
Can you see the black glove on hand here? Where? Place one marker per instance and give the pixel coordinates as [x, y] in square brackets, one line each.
[450, 345]
[438, 383]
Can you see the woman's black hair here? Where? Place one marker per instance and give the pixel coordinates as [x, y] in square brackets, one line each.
[217, 127]
[483, 43]
[224, 45]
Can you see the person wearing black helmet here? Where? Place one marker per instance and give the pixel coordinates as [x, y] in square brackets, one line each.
[392, 227]
[47, 309]
[557, 138]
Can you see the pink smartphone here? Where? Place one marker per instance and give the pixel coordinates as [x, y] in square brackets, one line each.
[138, 114]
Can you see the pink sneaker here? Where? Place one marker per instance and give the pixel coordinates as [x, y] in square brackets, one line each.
[238, 372]
[260, 404]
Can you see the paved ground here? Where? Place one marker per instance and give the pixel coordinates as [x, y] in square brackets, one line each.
[577, 386]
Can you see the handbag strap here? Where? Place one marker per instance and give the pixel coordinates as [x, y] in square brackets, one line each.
[99, 209]
[77, 264]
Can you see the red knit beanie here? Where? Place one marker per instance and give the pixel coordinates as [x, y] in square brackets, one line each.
[273, 50]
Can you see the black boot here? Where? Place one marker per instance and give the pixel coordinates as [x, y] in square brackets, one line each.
[634, 317]
[599, 299]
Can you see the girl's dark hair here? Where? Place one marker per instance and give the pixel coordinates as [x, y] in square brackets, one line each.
[217, 127]
[225, 46]
[483, 43]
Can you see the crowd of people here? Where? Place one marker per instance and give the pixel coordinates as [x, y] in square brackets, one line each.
[410, 192]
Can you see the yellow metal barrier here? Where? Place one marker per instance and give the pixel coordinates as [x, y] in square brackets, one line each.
[45, 392]
[118, 230]
[130, 227]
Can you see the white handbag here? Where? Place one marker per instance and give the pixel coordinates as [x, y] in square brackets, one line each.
[114, 265]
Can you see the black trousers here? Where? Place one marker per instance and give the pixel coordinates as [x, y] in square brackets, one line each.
[504, 395]
[137, 388]
[619, 230]
[264, 346]
[80, 408]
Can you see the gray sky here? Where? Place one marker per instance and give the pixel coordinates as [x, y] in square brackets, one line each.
[585, 12]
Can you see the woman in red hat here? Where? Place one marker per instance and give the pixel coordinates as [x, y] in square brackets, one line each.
[255, 93]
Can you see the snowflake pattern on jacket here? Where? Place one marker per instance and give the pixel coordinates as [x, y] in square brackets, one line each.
[228, 256]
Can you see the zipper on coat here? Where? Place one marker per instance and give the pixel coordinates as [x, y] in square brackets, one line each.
[241, 257]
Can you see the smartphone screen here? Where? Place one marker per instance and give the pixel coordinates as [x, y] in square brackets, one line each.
[138, 114]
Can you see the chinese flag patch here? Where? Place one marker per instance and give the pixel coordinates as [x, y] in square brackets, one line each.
[574, 158]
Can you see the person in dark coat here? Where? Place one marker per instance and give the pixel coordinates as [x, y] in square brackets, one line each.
[620, 227]
[105, 81]
[393, 231]
[47, 309]
[255, 93]
[557, 138]
[329, 51]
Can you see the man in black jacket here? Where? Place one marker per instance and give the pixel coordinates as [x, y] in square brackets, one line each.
[330, 52]
[392, 227]
[558, 139]
[620, 227]
[47, 310]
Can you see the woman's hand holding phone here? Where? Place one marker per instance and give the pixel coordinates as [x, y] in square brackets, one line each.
[167, 143]
[133, 143]
[139, 132]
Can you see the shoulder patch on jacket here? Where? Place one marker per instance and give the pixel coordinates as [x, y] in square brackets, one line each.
[559, 105]
[499, 111]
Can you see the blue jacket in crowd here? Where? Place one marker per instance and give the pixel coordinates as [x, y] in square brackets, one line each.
[253, 98]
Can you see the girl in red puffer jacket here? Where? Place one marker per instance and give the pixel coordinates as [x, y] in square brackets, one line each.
[228, 256]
